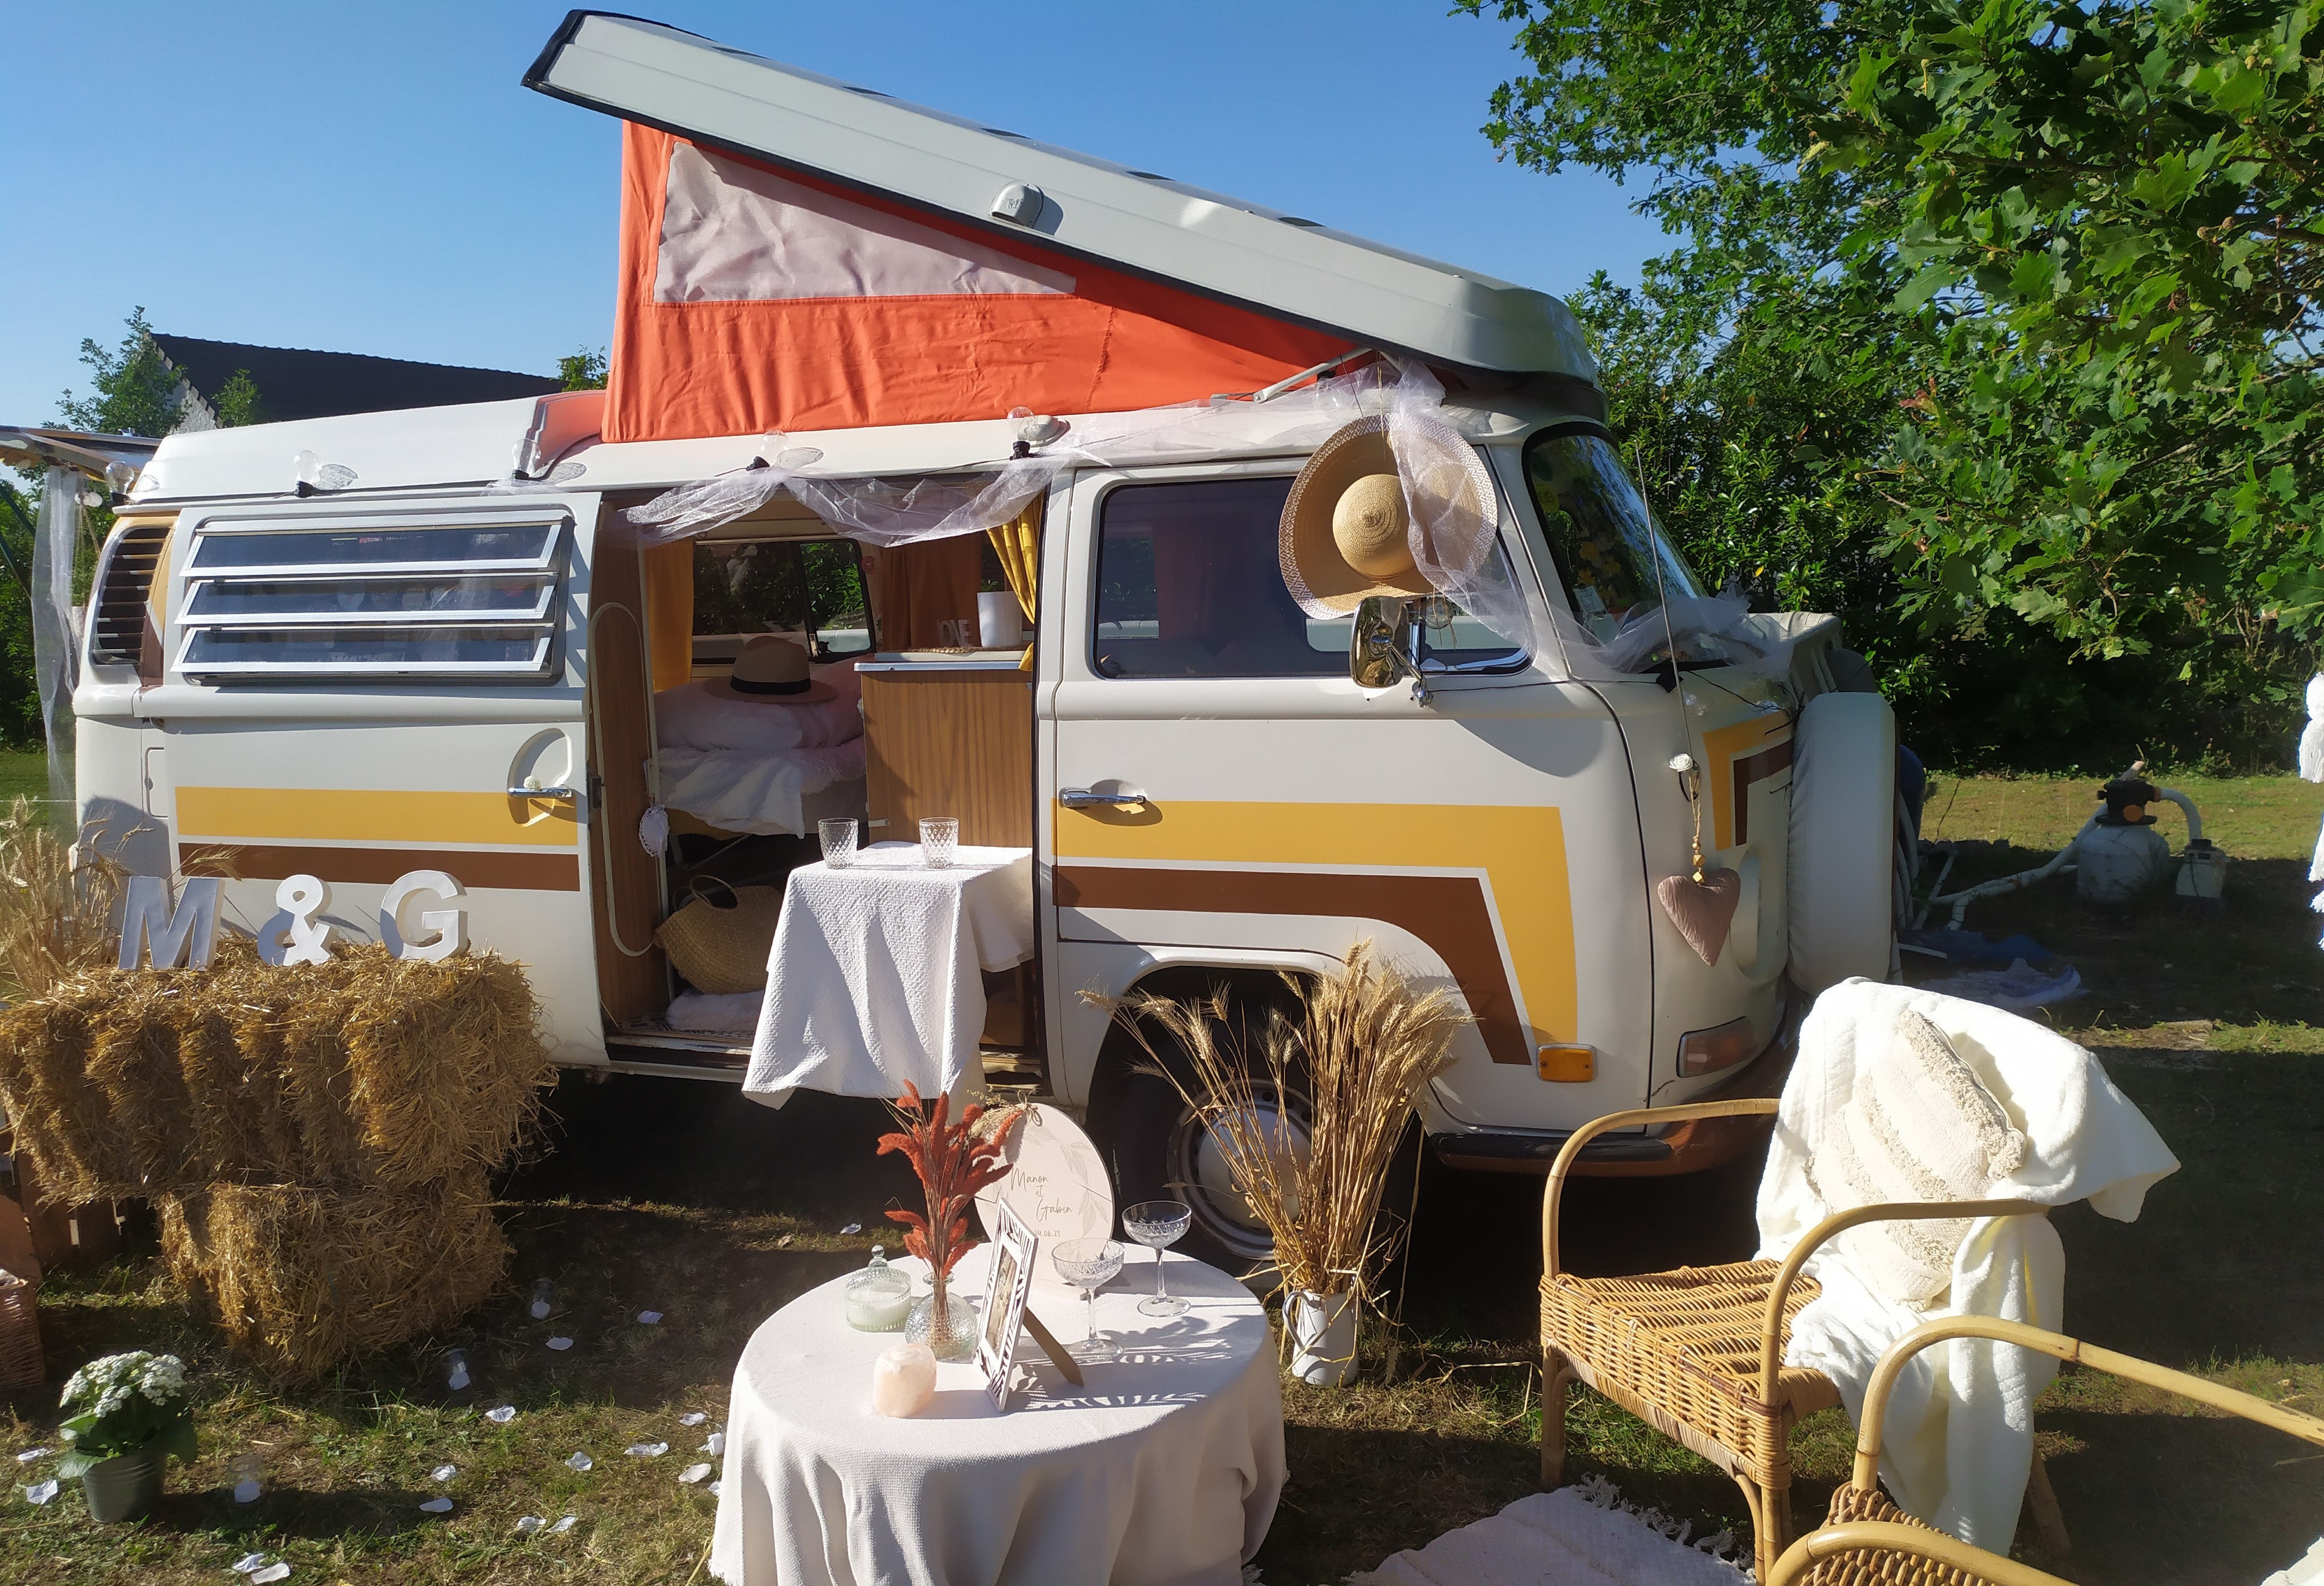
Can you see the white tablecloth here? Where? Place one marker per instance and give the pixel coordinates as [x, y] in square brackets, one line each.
[874, 977]
[1163, 1470]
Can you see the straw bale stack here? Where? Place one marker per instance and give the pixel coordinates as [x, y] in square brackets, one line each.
[318, 1136]
[302, 1279]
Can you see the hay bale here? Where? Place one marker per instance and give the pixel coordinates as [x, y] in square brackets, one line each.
[300, 1280]
[366, 1071]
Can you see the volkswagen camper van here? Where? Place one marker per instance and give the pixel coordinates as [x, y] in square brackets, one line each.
[442, 640]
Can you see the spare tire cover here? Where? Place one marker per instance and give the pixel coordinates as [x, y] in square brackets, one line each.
[1843, 840]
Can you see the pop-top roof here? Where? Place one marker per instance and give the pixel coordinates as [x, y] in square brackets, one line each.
[1281, 265]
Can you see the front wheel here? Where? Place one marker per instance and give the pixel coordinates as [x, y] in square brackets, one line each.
[1160, 1151]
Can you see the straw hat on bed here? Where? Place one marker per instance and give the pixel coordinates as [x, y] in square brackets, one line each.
[1346, 533]
[771, 672]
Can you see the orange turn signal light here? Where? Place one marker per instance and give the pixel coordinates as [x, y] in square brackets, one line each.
[1566, 1065]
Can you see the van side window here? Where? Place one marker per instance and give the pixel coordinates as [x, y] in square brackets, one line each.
[1189, 585]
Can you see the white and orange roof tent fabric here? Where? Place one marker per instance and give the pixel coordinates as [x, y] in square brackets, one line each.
[754, 299]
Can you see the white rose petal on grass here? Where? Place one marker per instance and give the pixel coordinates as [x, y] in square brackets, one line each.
[715, 1444]
[249, 1562]
[581, 1462]
[277, 1570]
[530, 1524]
[646, 1450]
[30, 1454]
[445, 1472]
[648, 1317]
[436, 1505]
[560, 1342]
[691, 1418]
[500, 1415]
[692, 1474]
[853, 1227]
[40, 1492]
[565, 1525]
[714, 1486]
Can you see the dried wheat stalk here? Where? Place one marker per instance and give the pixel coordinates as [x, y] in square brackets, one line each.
[58, 908]
[1361, 1046]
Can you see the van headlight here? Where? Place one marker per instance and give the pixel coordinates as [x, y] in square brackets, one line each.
[1706, 1051]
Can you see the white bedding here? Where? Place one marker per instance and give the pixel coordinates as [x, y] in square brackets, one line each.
[750, 767]
[762, 791]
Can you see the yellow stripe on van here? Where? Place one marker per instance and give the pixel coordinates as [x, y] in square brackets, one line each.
[1520, 849]
[359, 815]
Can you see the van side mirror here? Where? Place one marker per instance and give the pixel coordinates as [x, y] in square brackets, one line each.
[1385, 646]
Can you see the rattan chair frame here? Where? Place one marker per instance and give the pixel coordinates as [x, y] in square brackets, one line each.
[1905, 1552]
[1742, 1426]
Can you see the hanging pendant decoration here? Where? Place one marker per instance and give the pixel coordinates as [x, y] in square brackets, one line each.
[1701, 904]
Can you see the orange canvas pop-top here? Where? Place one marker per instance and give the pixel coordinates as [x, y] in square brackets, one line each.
[754, 299]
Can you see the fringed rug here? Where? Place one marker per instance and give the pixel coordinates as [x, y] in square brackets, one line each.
[1579, 1535]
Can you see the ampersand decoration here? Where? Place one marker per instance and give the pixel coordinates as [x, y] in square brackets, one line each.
[302, 897]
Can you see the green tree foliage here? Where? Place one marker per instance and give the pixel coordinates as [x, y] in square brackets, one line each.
[238, 402]
[1988, 326]
[584, 370]
[136, 390]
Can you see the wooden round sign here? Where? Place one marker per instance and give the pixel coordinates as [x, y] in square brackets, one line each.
[1057, 1184]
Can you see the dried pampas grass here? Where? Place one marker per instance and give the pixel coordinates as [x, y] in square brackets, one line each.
[57, 908]
[1360, 1046]
[302, 1279]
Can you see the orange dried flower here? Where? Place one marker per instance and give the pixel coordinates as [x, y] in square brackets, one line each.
[953, 1162]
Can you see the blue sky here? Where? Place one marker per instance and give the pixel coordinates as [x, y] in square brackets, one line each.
[371, 178]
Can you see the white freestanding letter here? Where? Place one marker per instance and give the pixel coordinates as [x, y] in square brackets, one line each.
[302, 897]
[187, 933]
[451, 925]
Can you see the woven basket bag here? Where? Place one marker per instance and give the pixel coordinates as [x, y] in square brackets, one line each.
[21, 1365]
[721, 938]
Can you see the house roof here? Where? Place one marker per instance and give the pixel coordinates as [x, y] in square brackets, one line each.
[296, 383]
[1284, 265]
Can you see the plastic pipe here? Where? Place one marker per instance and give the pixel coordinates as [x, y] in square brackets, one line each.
[2187, 806]
[2017, 883]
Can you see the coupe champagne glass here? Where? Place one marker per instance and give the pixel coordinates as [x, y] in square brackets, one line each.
[1157, 1225]
[1089, 1265]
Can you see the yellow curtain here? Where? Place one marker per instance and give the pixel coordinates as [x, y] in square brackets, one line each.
[667, 573]
[1017, 543]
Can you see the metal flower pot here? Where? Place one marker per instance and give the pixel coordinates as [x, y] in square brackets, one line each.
[125, 1486]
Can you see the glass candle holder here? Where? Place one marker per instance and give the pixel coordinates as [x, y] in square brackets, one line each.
[939, 839]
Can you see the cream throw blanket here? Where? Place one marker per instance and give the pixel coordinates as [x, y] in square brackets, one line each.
[1960, 1428]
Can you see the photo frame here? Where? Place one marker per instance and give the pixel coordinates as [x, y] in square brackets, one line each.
[1010, 1279]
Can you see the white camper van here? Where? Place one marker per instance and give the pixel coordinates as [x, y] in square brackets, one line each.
[433, 641]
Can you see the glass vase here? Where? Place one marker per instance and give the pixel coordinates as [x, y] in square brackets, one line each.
[946, 1320]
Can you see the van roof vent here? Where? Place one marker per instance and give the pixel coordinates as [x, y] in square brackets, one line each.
[124, 624]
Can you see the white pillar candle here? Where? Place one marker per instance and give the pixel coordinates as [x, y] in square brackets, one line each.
[903, 1379]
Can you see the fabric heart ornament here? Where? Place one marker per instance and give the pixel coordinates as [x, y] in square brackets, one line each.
[1703, 911]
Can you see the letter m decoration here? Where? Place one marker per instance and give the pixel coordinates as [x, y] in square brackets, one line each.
[184, 934]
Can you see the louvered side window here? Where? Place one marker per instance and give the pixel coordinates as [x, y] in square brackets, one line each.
[121, 626]
[471, 598]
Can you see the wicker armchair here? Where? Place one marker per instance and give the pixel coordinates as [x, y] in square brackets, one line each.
[1697, 1353]
[1868, 1541]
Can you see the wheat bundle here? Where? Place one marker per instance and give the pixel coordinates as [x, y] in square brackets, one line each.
[366, 1070]
[302, 1279]
[1360, 1047]
[56, 904]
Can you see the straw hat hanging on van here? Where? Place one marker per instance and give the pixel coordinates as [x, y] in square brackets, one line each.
[771, 672]
[1347, 532]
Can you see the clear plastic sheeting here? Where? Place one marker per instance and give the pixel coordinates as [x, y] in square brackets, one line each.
[56, 624]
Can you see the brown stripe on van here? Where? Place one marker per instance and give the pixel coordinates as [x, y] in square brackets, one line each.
[471, 868]
[1446, 911]
[1752, 768]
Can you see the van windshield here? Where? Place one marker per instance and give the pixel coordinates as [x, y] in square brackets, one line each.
[1599, 529]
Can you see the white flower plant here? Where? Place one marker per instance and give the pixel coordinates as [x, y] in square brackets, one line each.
[126, 1403]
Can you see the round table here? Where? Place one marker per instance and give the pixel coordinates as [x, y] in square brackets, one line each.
[1163, 1469]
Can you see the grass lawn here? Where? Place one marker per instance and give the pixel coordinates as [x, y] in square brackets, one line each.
[687, 1199]
[23, 776]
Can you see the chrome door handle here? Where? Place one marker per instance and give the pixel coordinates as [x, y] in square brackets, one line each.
[1082, 798]
[544, 792]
